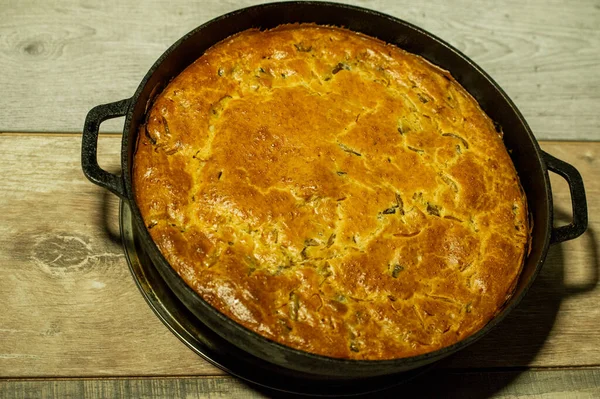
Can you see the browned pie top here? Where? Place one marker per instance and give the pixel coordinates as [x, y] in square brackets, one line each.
[332, 193]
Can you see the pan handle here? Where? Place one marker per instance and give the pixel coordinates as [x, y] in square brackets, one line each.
[89, 146]
[580, 217]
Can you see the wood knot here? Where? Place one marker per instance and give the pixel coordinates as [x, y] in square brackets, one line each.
[62, 254]
[34, 48]
[38, 43]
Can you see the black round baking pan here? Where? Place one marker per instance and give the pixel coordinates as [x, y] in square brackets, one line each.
[531, 163]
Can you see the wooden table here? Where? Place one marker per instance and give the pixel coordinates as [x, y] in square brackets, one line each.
[73, 323]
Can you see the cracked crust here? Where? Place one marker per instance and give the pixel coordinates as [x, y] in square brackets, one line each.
[332, 193]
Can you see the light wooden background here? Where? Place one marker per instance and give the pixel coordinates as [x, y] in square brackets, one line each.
[72, 322]
[60, 58]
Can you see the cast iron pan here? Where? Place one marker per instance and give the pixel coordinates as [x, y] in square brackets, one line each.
[532, 165]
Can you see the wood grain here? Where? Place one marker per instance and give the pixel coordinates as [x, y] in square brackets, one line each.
[71, 309]
[70, 304]
[217, 387]
[543, 384]
[59, 58]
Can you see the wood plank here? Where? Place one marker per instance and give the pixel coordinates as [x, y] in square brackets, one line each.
[141, 388]
[59, 58]
[70, 304]
[464, 385]
[71, 308]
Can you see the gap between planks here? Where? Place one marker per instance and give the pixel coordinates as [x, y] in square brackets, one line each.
[480, 370]
[58, 134]
[114, 135]
[504, 385]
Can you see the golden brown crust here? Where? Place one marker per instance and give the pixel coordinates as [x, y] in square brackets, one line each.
[333, 193]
